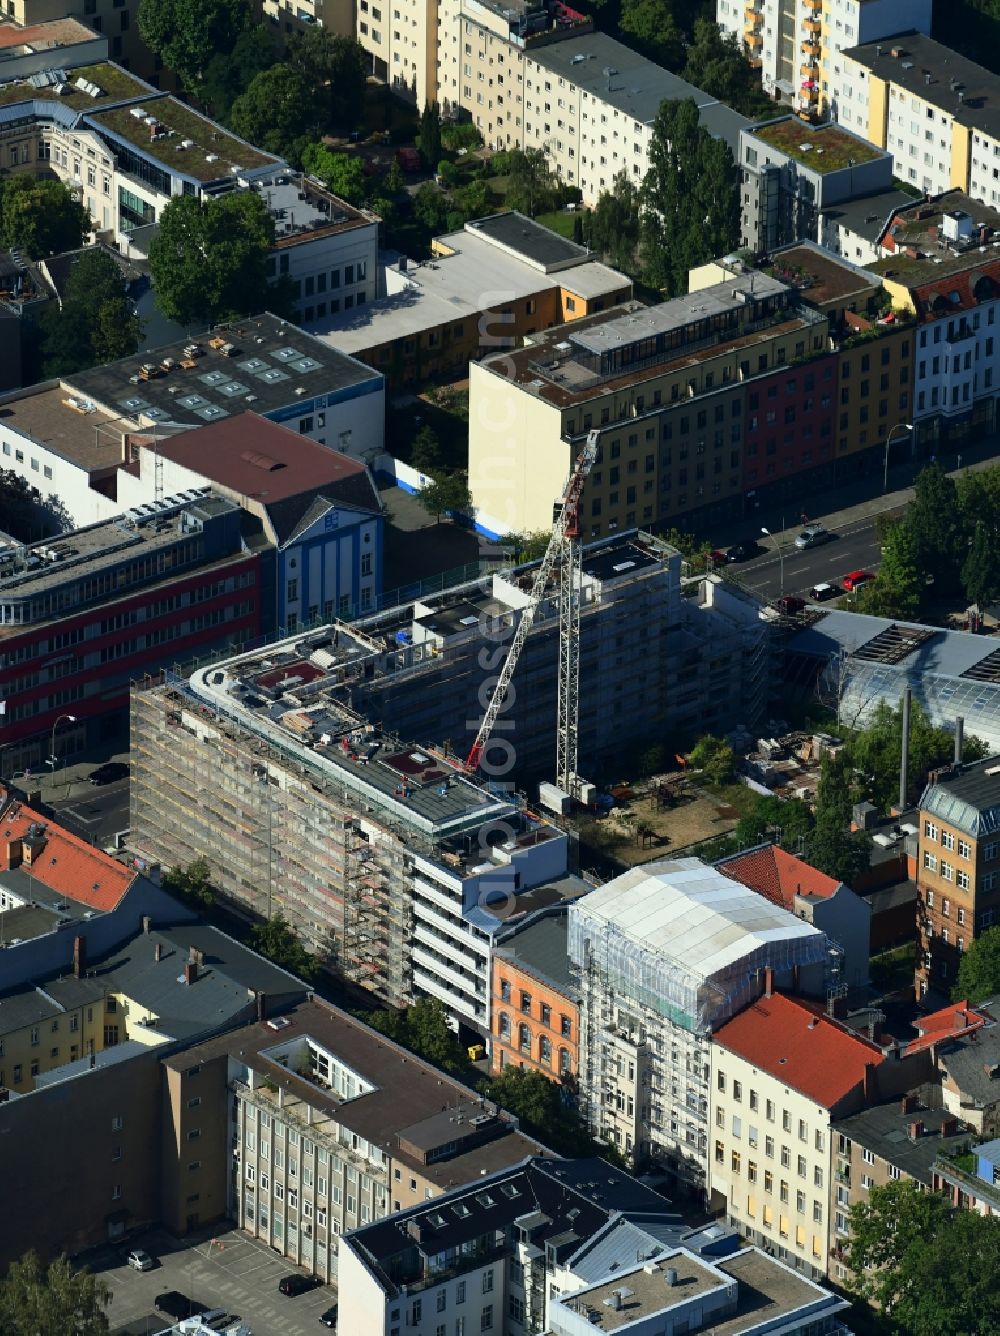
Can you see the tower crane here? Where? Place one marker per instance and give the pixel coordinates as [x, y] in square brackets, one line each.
[565, 551]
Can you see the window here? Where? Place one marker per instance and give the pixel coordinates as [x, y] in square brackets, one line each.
[488, 1281]
[486, 1320]
[526, 1003]
[505, 990]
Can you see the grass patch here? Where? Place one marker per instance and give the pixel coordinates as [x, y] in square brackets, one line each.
[893, 970]
[738, 796]
[559, 221]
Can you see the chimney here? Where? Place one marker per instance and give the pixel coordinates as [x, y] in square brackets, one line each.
[158, 951]
[959, 739]
[904, 761]
[147, 923]
[261, 1000]
[31, 848]
[908, 1103]
[195, 957]
[79, 956]
[768, 981]
[15, 853]
[190, 972]
[871, 1083]
[916, 1130]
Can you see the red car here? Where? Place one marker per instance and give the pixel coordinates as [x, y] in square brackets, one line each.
[790, 604]
[856, 579]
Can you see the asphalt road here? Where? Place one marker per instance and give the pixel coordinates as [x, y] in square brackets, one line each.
[855, 547]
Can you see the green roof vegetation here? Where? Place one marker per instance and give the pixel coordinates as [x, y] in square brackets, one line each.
[206, 137]
[116, 85]
[824, 148]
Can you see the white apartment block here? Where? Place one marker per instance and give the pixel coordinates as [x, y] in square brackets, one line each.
[797, 43]
[665, 954]
[401, 37]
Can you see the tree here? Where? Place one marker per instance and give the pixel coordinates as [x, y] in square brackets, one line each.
[714, 757]
[473, 200]
[981, 568]
[230, 73]
[529, 546]
[426, 454]
[613, 227]
[831, 845]
[193, 884]
[394, 183]
[875, 751]
[459, 135]
[896, 590]
[446, 494]
[339, 172]
[276, 110]
[979, 970]
[186, 34]
[788, 822]
[36, 1299]
[888, 1234]
[336, 70]
[430, 206]
[689, 197]
[209, 258]
[423, 1029]
[531, 185]
[96, 322]
[716, 64]
[429, 134]
[276, 940]
[937, 527]
[652, 24]
[537, 1103]
[18, 506]
[40, 218]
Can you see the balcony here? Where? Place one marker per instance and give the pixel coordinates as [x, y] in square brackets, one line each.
[810, 47]
[754, 40]
[752, 14]
[813, 26]
[808, 71]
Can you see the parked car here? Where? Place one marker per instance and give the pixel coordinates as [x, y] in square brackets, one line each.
[856, 579]
[744, 551]
[140, 1261]
[108, 773]
[177, 1305]
[813, 535]
[297, 1284]
[821, 592]
[790, 604]
[329, 1318]
[717, 557]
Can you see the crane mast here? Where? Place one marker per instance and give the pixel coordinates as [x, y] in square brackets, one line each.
[565, 551]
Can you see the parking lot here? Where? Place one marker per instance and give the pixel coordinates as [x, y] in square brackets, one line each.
[227, 1270]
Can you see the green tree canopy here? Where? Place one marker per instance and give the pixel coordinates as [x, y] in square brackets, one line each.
[655, 29]
[897, 588]
[192, 884]
[230, 73]
[981, 568]
[186, 34]
[460, 134]
[209, 259]
[40, 217]
[429, 134]
[832, 846]
[276, 940]
[339, 172]
[430, 206]
[531, 183]
[875, 752]
[717, 65]
[612, 228]
[277, 111]
[714, 757]
[36, 1300]
[937, 528]
[446, 494]
[888, 1233]
[690, 198]
[96, 323]
[788, 822]
[426, 454]
[423, 1029]
[979, 970]
[335, 69]
[18, 506]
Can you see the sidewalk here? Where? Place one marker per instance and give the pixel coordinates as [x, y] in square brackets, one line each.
[855, 504]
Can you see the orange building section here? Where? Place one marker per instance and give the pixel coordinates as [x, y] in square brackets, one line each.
[63, 862]
[536, 1005]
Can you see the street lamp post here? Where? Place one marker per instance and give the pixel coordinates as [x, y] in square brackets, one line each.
[52, 749]
[900, 426]
[781, 559]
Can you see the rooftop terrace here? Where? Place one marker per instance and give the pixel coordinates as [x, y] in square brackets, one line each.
[821, 148]
[113, 85]
[183, 140]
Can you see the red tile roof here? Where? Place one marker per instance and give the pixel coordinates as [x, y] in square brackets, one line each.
[813, 1054]
[948, 1023]
[779, 876]
[941, 297]
[65, 864]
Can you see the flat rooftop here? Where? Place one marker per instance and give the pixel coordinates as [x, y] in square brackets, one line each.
[636, 87]
[821, 148]
[924, 255]
[271, 365]
[884, 1129]
[529, 241]
[869, 216]
[820, 276]
[49, 36]
[936, 74]
[304, 210]
[114, 85]
[182, 140]
[446, 289]
[71, 430]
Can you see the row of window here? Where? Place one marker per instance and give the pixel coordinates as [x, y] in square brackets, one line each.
[544, 1010]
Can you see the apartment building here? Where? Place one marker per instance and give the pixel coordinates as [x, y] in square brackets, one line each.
[959, 859]
[536, 1002]
[791, 171]
[941, 268]
[114, 25]
[402, 43]
[665, 386]
[970, 1191]
[797, 46]
[782, 1071]
[649, 658]
[486, 287]
[320, 1126]
[318, 509]
[590, 103]
[933, 109]
[665, 954]
[387, 859]
[856, 228]
[81, 616]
